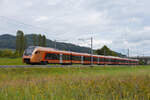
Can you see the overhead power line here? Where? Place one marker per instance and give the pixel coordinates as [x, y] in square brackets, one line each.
[91, 44]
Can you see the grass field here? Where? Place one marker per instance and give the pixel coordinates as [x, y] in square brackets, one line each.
[84, 83]
[11, 61]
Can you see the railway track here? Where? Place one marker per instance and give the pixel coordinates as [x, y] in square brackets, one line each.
[21, 66]
[7, 66]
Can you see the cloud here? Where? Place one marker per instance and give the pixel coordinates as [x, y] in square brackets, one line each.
[53, 2]
[147, 28]
[29, 4]
[41, 18]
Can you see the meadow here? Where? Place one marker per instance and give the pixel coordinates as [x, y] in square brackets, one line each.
[75, 83]
[11, 61]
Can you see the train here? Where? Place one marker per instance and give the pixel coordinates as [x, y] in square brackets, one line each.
[45, 55]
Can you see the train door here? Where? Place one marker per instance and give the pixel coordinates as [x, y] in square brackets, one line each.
[60, 59]
[82, 60]
[98, 61]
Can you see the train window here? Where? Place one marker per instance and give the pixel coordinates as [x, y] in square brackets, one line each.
[95, 59]
[101, 59]
[116, 60]
[36, 52]
[127, 61]
[112, 60]
[66, 57]
[122, 61]
[86, 58]
[29, 50]
[76, 58]
[106, 60]
[50, 56]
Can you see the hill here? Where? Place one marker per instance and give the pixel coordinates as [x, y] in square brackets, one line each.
[9, 42]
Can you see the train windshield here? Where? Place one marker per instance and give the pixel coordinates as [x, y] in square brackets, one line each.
[29, 50]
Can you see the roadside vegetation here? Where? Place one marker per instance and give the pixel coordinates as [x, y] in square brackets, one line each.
[8, 53]
[10, 57]
[11, 61]
[74, 83]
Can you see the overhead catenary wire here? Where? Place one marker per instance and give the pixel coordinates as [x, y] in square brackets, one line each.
[91, 44]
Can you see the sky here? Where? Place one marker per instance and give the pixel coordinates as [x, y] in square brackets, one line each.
[119, 24]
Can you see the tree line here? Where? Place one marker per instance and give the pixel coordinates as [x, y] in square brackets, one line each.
[21, 44]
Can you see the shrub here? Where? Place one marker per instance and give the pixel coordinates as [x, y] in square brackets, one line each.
[8, 53]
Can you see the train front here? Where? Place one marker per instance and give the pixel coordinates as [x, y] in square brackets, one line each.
[28, 53]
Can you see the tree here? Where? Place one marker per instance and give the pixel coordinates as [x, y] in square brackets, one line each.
[43, 40]
[39, 40]
[17, 41]
[105, 51]
[20, 42]
[142, 62]
[24, 42]
[35, 40]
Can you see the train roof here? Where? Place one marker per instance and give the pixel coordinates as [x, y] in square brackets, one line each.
[76, 53]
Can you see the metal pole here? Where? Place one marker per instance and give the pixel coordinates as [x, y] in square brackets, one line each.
[55, 44]
[91, 50]
[128, 56]
[128, 52]
[104, 55]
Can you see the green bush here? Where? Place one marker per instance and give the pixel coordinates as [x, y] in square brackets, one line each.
[8, 53]
[141, 62]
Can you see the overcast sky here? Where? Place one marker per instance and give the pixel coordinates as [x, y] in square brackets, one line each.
[119, 24]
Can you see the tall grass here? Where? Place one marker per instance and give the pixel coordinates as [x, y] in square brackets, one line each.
[98, 83]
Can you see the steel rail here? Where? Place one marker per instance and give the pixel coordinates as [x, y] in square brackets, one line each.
[21, 66]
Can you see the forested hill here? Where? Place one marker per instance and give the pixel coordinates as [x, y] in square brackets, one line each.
[9, 42]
